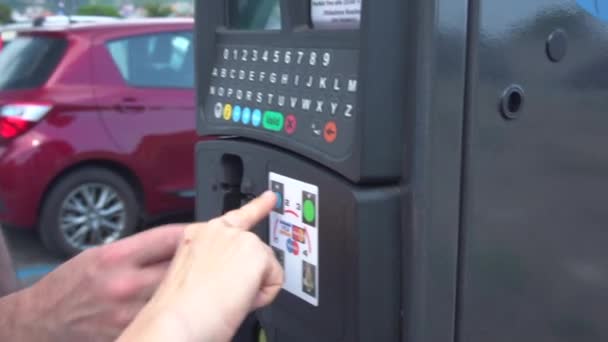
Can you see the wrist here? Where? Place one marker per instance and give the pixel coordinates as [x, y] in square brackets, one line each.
[173, 321]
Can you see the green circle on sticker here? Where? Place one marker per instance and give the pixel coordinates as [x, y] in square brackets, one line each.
[309, 211]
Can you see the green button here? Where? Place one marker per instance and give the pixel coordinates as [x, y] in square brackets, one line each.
[309, 211]
[273, 121]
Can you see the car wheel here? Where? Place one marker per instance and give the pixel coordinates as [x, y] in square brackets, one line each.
[88, 208]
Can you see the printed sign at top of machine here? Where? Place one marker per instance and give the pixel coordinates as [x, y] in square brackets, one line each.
[336, 14]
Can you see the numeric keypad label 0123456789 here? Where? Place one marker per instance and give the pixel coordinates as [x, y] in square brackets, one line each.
[304, 94]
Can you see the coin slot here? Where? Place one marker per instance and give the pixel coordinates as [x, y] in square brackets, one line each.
[232, 167]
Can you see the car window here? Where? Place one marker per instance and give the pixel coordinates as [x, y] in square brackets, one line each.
[163, 60]
[28, 61]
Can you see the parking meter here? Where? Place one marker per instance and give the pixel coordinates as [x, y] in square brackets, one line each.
[298, 91]
[438, 163]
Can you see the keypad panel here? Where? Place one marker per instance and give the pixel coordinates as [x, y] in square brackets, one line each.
[308, 95]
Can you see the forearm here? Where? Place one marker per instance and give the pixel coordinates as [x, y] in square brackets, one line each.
[11, 306]
[7, 318]
[8, 279]
[21, 318]
[158, 323]
[12, 322]
[153, 330]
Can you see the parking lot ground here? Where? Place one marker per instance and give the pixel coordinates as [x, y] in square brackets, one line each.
[30, 258]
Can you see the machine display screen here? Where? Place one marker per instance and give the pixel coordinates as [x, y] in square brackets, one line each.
[336, 14]
[255, 14]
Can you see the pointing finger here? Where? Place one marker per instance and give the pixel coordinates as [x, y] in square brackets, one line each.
[251, 213]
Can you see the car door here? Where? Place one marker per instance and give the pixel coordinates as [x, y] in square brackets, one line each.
[144, 84]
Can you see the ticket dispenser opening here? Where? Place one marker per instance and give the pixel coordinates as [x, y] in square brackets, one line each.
[306, 101]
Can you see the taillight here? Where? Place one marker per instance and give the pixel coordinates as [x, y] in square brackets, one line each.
[16, 119]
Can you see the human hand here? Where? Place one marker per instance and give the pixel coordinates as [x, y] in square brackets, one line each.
[95, 295]
[8, 278]
[220, 273]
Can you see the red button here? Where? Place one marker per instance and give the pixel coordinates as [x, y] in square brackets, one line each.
[330, 133]
[291, 123]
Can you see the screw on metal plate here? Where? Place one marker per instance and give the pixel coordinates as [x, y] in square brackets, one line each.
[557, 45]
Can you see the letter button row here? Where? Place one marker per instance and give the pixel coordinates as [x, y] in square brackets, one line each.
[332, 107]
[297, 80]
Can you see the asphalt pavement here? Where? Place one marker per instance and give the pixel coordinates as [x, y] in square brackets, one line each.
[30, 258]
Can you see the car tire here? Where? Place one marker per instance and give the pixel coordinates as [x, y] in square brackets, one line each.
[86, 208]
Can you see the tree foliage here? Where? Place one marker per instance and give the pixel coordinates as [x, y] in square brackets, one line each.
[6, 14]
[156, 9]
[99, 10]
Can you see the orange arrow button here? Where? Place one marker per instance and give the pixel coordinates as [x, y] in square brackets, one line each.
[330, 133]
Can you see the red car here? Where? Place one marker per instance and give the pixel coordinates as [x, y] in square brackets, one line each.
[97, 129]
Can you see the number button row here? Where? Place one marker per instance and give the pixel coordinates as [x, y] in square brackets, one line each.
[276, 56]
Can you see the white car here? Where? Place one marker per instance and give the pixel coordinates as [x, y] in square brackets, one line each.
[9, 32]
[66, 20]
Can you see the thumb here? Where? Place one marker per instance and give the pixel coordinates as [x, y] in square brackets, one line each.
[272, 282]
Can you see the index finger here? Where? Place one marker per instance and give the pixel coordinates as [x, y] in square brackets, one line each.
[251, 213]
[152, 246]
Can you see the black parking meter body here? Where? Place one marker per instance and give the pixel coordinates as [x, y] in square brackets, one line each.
[306, 112]
[446, 157]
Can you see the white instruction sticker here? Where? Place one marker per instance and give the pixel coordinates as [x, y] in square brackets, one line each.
[294, 235]
[336, 14]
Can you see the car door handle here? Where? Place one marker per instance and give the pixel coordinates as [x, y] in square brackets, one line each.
[129, 105]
